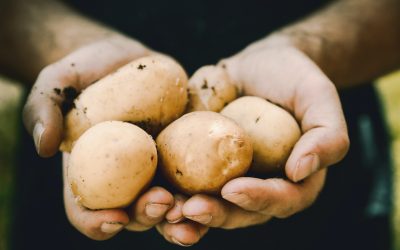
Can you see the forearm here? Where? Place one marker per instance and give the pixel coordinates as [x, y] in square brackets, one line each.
[351, 40]
[36, 33]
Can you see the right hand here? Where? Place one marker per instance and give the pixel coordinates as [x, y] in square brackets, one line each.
[43, 117]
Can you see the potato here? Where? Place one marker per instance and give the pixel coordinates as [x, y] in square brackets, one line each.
[150, 92]
[203, 150]
[111, 163]
[273, 131]
[210, 88]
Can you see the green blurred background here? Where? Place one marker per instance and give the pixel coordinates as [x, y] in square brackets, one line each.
[10, 103]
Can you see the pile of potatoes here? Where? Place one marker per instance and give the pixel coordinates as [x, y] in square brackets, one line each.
[109, 133]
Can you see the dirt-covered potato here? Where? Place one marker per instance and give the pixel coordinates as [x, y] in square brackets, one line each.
[203, 150]
[111, 163]
[273, 131]
[150, 92]
[210, 88]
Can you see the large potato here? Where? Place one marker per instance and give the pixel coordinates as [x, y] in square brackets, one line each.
[150, 92]
[273, 131]
[111, 163]
[203, 150]
[210, 88]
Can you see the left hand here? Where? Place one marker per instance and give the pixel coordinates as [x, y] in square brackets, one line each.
[283, 74]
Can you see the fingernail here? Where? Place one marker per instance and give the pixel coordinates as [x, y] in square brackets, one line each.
[305, 167]
[238, 198]
[156, 210]
[111, 227]
[174, 221]
[203, 219]
[37, 135]
[180, 243]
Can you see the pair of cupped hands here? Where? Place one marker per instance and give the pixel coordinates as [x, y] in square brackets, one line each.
[271, 68]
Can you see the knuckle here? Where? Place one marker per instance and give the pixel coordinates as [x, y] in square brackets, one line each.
[90, 230]
[286, 212]
[294, 208]
[47, 71]
[228, 226]
[344, 143]
[224, 222]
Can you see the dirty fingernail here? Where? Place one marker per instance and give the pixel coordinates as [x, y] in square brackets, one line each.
[180, 243]
[37, 135]
[111, 227]
[237, 198]
[306, 166]
[203, 219]
[156, 210]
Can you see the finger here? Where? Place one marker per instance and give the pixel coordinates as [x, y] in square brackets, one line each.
[97, 225]
[150, 209]
[275, 197]
[325, 139]
[215, 212]
[175, 214]
[58, 84]
[186, 233]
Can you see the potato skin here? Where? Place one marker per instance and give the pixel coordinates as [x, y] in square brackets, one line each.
[210, 88]
[111, 163]
[203, 150]
[273, 131]
[150, 91]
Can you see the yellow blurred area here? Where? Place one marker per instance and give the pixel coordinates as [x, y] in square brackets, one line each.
[389, 89]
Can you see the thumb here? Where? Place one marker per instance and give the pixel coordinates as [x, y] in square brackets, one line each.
[324, 141]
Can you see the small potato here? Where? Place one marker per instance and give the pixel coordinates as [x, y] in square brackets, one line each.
[273, 131]
[111, 163]
[210, 88]
[203, 150]
[150, 92]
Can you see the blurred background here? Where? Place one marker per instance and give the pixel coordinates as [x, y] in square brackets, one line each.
[16, 208]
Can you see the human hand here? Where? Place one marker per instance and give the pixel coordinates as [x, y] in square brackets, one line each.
[277, 71]
[287, 77]
[56, 87]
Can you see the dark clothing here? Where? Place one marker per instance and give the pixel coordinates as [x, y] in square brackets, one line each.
[197, 33]
[353, 209]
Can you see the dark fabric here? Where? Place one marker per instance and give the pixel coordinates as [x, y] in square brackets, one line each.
[197, 32]
[352, 211]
